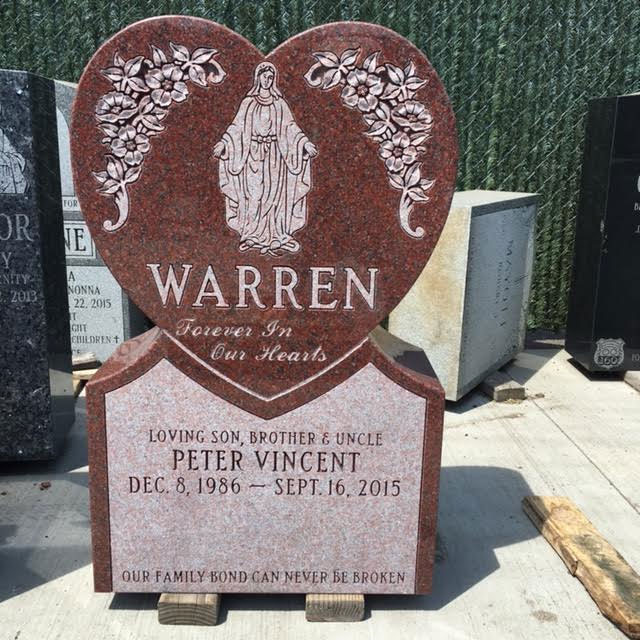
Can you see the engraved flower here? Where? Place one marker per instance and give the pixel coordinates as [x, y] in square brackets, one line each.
[398, 152]
[166, 85]
[403, 83]
[130, 145]
[115, 106]
[412, 115]
[362, 90]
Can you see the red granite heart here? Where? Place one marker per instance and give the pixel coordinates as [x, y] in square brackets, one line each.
[267, 212]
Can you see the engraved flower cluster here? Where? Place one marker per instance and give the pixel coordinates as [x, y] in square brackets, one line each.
[129, 116]
[385, 96]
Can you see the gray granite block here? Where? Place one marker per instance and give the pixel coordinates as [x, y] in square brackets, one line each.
[468, 308]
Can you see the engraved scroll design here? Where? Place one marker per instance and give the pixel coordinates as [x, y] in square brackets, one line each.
[131, 114]
[400, 124]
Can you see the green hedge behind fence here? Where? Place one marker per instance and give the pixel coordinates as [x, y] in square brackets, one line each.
[519, 73]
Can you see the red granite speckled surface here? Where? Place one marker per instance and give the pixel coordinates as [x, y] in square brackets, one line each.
[353, 141]
[177, 209]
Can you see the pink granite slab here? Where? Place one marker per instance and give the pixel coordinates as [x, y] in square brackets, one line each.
[376, 543]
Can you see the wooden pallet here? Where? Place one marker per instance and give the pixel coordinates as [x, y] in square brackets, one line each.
[606, 575]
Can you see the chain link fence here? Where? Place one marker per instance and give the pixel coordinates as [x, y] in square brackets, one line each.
[519, 74]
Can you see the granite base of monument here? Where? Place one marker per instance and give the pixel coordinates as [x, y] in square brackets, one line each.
[336, 495]
[603, 323]
[36, 396]
[468, 308]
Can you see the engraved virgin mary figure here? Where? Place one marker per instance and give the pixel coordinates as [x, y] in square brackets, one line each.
[265, 169]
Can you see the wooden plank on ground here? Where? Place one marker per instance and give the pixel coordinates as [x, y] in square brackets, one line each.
[84, 374]
[77, 386]
[606, 575]
[189, 608]
[632, 378]
[85, 360]
[334, 607]
[500, 387]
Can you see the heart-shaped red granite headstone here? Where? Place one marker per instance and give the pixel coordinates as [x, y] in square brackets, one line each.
[267, 212]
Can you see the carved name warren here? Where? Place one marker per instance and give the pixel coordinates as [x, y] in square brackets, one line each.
[172, 285]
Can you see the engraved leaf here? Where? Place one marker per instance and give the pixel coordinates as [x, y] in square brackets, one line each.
[371, 62]
[396, 181]
[417, 195]
[409, 69]
[426, 183]
[418, 138]
[113, 73]
[110, 129]
[412, 177]
[159, 57]
[132, 174]
[109, 187]
[133, 66]
[390, 92]
[137, 84]
[415, 83]
[114, 168]
[217, 73]
[382, 111]
[349, 57]
[180, 53]
[396, 75]
[146, 105]
[377, 128]
[118, 60]
[315, 75]
[202, 55]
[327, 59]
[197, 75]
[100, 176]
[125, 114]
[331, 79]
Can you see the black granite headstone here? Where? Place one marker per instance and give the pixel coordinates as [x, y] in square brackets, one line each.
[36, 396]
[603, 328]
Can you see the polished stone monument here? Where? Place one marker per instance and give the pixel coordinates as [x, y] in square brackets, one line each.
[603, 324]
[36, 397]
[468, 308]
[266, 212]
[101, 314]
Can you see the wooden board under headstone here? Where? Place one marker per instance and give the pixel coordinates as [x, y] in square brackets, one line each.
[334, 607]
[198, 609]
[266, 214]
[101, 314]
[603, 323]
[468, 308]
[36, 397]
